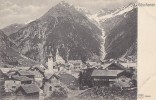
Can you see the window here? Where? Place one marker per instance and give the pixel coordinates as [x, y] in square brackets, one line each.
[13, 86]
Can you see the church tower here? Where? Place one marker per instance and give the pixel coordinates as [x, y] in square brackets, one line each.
[50, 64]
[59, 59]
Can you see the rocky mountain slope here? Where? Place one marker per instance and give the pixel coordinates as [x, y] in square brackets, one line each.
[75, 33]
[8, 30]
[9, 57]
[120, 30]
[62, 28]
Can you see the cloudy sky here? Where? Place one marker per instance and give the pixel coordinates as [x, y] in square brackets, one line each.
[24, 11]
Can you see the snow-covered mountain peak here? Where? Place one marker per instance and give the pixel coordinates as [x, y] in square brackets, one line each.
[83, 10]
[105, 13]
[65, 4]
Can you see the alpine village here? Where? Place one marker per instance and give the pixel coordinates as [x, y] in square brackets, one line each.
[66, 55]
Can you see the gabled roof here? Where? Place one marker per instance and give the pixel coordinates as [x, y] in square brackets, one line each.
[24, 73]
[50, 54]
[21, 78]
[117, 65]
[37, 74]
[121, 59]
[5, 70]
[29, 88]
[98, 72]
[37, 67]
[49, 76]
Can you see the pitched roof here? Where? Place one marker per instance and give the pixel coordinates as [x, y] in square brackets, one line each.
[106, 65]
[37, 67]
[21, 78]
[121, 59]
[36, 74]
[118, 65]
[25, 73]
[29, 88]
[98, 72]
[50, 75]
[5, 70]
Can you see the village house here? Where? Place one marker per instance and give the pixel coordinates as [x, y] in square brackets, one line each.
[122, 60]
[75, 64]
[114, 66]
[22, 68]
[5, 70]
[38, 67]
[131, 59]
[38, 78]
[91, 64]
[11, 84]
[38, 72]
[104, 77]
[130, 65]
[50, 83]
[53, 82]
[27, 92]
[129, 68]
[117, 60]
[9, 74]
[24, 73]
[61, 67]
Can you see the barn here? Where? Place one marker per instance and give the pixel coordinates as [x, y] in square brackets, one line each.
[27, 92]
[104, 77]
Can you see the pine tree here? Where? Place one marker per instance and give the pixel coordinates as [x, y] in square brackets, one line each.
[2, 89]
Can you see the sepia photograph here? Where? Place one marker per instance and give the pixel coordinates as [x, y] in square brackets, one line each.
[68, 49]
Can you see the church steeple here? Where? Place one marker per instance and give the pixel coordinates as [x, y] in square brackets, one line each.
[50, 55]
[59, 59]
[50, 63]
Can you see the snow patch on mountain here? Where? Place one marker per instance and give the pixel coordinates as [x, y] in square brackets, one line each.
[113, 13]
[83, 10]
[105, 14]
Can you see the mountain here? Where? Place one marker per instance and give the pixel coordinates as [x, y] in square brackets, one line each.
[84, 11]
[105, 11]
[8, 30]
[62, 28]
[120, 30]
[77, 34]
[9, 56]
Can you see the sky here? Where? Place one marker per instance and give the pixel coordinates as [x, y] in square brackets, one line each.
[25, 11]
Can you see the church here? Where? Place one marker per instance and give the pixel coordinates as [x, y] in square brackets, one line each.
[51, 65]
[51, 79]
